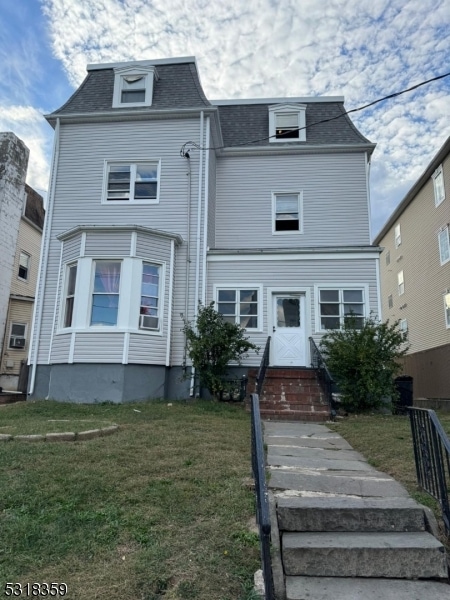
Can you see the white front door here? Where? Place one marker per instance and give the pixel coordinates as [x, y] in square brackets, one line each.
[289, 333]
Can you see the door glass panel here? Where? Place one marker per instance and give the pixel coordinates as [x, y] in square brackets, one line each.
[288, 312]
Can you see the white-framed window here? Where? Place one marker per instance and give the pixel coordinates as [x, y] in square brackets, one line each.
[105, 293]
[447, 309]
[149, 313]
[400, 283]
[336, 304]
[438, 185]
[133, 86]
[24, 266]
[444, 246]
[397, 235]
[69, 298]
[240, 305]
[390, 301]
[136, 182]
[287, 212]
[388, 258]
[403, 325]
[17, 336]
[287, 123]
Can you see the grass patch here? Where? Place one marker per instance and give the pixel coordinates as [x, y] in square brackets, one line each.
[386, 443]
[157, 511]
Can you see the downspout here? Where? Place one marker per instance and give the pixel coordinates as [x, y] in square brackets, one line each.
[205, 222]
[169, 310]
[199, 223]
[43, 263]
[188, 256]
[368, 196]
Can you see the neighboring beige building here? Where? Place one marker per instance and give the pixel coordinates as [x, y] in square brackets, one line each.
[415, 276]
[22, 220]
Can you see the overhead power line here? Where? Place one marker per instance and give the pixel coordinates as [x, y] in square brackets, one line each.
[191, 144]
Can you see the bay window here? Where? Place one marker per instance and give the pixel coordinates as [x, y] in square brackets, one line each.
[105, 297]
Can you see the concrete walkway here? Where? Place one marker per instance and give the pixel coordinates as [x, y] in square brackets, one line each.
[346, 530]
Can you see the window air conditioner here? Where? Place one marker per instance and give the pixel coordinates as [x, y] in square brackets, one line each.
[148, 322]
[18, 342]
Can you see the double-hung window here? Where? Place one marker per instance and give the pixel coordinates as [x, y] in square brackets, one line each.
[397, 235]
[401, 283]
[133, 86]
[287, 123]
[105, 296]
[71, 279]
[438, 185]
[136, 182]
[447, 309]
[17, 337]
[24, 266]
[337, 304]
[287, 212]
[239, 306]
[444, 246]
[150, 297]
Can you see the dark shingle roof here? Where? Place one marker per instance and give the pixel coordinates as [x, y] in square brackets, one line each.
[250, 122]
[34, 208]
[177, 86]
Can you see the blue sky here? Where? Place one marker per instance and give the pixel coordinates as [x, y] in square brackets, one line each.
[258, 48]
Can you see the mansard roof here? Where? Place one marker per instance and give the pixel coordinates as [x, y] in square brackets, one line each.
[177, 87]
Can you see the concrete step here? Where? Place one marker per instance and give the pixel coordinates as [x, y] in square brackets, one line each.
[332, 588]
[349, 514]
[396, 555]
[295, 415]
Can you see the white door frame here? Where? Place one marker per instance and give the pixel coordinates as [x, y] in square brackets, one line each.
[306, 292]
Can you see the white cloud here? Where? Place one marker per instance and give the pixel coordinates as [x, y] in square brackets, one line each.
[28, 124]
[364, 50]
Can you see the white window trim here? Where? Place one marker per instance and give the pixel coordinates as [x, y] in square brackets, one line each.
[160, 297]
[27, 278]
[149, 74]
[299, 109]
[131, 163]
[397, 236]
[403, 325]
[129, 297]
[238, 287]
[338, 286]
[24, 336]
[438, 173]
[442, 234]
[297, 193]
[400, 282]
[446, 316]
[65, 286]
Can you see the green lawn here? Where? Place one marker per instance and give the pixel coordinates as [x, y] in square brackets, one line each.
[386, 442]
[157, 510]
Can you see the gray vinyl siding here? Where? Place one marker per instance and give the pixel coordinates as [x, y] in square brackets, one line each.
[335, 210]
[61, 348]
[78, 201]
[212, 200]
[301, 273]
[87, 349]
[108, 244]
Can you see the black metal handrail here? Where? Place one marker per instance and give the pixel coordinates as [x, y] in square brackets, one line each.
[263, 367]
[432, 457]
[326, 380]
[262, 497]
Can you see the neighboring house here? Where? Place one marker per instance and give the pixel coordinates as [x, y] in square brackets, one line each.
[415, 276]
[161, 199]
[21, 223]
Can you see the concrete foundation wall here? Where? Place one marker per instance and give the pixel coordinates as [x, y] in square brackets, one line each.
[430, 371]
[94, 383]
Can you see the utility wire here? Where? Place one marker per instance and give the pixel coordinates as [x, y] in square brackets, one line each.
[191, 144]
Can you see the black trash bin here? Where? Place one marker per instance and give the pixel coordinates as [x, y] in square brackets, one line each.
[404, 387]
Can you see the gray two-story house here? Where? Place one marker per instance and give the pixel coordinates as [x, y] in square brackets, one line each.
[160, 200]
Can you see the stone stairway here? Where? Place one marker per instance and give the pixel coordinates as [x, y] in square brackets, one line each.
[291, 394]
[345, 530]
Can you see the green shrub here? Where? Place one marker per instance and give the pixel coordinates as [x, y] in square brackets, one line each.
[364, 361]
[212, 344]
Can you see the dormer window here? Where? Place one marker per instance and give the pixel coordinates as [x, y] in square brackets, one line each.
[287, 123]
[133, 86]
